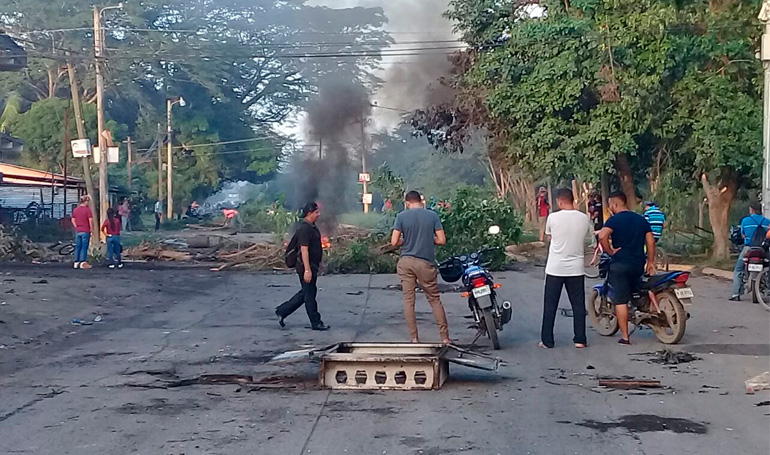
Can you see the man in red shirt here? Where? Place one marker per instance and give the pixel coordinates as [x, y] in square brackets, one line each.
[543, 209]
[82, 221]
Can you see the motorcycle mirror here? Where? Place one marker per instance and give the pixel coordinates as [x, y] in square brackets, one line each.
[494, 230]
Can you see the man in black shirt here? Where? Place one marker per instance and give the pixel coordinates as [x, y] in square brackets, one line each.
[630, 234]
[308, 263]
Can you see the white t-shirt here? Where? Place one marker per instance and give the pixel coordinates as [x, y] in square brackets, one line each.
[570, 231]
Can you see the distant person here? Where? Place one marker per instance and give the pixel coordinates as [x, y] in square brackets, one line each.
[543, 209]
[418, 231]
[124, 212]
[158, 214]
[751, 238]
[657, 219]
[569, 231]
[82, 220]
[630, 234]
[596, 209]
[111, 230]
[307, 241]
[232, 218]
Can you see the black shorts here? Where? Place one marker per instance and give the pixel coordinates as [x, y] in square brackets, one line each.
[624, 279]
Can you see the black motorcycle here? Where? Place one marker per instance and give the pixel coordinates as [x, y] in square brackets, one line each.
[481, 291]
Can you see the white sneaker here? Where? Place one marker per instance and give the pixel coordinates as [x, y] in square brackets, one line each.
[76, 265]
[112, 266]
[120, 266]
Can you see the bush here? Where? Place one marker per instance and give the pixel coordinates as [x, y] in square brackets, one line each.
[467, 218]
[273, 218]
[361, 256]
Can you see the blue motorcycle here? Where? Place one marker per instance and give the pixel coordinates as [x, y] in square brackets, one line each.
[481, 291]
[658, 303]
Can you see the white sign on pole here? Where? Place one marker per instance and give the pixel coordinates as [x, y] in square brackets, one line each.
[81, 148]
[364, 177]
[113, 155]
[367, 199]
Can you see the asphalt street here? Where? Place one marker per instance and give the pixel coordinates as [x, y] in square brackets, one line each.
[99, 388]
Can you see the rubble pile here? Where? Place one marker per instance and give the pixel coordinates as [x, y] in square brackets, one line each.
[14, 247]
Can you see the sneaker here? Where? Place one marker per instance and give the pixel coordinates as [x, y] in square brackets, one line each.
[735, 298]
[112, 266]
[76, 265]
[85, 265]
[120, 266]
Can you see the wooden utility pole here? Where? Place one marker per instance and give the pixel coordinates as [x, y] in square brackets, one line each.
[98, 52]
[75, 90]
[363, 163]
[160, 164]
[64, 141]
[129, 164]
[169, 161]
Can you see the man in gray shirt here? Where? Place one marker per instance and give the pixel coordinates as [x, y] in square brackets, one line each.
[418, 231]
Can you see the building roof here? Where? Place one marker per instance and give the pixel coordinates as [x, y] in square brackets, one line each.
[11, 174]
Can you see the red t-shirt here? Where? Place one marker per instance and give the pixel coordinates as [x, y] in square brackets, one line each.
[81, 215]
[112, 228]
[542, 206]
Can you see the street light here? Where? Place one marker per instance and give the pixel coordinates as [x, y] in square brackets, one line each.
[170, 102]
[764, 16]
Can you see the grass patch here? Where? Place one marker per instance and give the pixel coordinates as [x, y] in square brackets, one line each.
[371, 220]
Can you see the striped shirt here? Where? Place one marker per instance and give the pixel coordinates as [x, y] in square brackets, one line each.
[657, 219]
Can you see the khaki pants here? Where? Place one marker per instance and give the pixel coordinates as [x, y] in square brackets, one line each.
[411, 271]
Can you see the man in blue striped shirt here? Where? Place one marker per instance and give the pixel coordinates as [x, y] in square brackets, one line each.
[656, 218]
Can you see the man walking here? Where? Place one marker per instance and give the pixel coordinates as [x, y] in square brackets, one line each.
[569, 230]
[310, 254]
[657, 219]
[749, 226]
[158, 214]
[630, 234]
[82, 221]
[543, 209]
[418, 231]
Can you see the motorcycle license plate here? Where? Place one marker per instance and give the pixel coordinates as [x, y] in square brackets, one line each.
[684, 293]
[755, 267]
[482, 291]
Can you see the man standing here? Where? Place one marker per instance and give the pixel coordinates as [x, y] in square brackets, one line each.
[308, 241]
[418, 231]
[82, 221]
[749, 226]
[630, 234]
[543, 209]
[569, 231]
[657, 219]
[124, 212]
[158, 214]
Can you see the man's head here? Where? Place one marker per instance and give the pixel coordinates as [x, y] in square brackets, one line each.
[84, 199]
[543, 191]
[755, 208]
[413, 200]
[311, 212]
[618, 202]
[649, 204]
[565, 199]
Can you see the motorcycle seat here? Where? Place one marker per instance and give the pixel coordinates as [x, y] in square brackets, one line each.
[658, 278]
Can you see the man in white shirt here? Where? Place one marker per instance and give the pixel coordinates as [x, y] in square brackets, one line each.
[568, 230]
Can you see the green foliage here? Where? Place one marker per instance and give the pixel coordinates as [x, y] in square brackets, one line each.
[467, 219]
[361, 256]
[371, 220]
[272, 218]
[388, 184]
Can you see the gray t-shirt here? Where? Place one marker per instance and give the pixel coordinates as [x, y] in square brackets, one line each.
[419, 228]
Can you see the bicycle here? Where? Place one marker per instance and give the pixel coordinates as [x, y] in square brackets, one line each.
[64, 249]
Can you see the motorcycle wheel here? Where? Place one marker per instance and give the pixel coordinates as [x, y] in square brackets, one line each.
[591, 263]
[752, 287]
[763, 289]
[602, 316]
[489, 323]
[674, 317]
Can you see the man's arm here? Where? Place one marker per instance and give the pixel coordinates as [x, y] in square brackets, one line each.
[396, 239]
[91, 224]
[75, 224]
[650, 241]
[440, 238]
[305, 251]
[604, 241]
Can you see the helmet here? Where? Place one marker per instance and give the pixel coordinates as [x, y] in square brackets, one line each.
[451, 270]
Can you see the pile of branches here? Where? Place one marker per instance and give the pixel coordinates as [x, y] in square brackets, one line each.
[15, 247]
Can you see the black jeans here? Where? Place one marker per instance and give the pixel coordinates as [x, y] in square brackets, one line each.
[307, 296]
[577, 297]
[157, 221]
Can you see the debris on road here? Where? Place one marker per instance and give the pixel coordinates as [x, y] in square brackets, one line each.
[757, 383]
[567, 312]
[15, 247]
[762, 403]
[669, 357]
[628, 384]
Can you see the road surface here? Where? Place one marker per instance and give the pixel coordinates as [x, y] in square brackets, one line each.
[94, 389]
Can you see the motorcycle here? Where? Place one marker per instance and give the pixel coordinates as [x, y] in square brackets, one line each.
[480, 290]
[755, 264]
[659, 304]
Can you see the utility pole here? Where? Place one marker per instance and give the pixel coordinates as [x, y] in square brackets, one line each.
[363, 162]
[129, 165]
[98, 51]
[64, 142]
[764, 16]
[75, 91]
[169, 168]
[160, 164]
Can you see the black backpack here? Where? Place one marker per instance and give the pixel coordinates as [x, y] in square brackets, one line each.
[758, 237]
[290, 256]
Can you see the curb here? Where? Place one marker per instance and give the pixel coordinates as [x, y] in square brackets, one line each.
[718, 273]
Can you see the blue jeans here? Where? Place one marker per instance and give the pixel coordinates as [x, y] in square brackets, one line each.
[82, 239]
[738, 273]
[113, 249]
